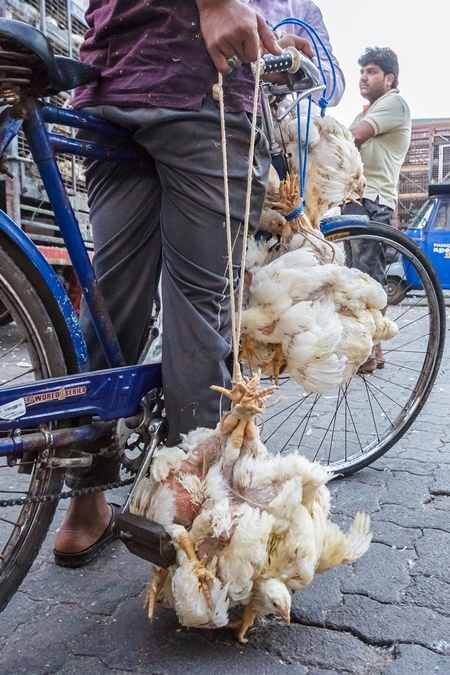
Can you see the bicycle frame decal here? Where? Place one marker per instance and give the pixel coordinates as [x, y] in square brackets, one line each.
[59, 395]
[13, 410]
[110, 394]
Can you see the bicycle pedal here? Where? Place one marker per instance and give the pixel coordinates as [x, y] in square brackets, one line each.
[146, 539]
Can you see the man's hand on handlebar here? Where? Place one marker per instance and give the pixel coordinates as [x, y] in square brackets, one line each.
[291, 40]
[230, 29]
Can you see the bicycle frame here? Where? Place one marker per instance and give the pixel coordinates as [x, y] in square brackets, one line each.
[113, 393]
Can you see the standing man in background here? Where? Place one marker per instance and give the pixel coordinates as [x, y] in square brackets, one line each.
[275, 11]
[382, 132]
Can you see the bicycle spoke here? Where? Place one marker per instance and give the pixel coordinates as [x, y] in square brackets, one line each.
[13, 379]
[13, 348]
[374, 389]
[405, 344]
[355, 429]
[411, 323]
[401, 366]
[9, 522]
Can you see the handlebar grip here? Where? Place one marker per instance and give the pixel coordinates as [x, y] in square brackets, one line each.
[287, 62]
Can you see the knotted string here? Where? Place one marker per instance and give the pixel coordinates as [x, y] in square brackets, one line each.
[236, 314]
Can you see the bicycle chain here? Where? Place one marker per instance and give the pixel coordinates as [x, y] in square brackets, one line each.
[65, 495]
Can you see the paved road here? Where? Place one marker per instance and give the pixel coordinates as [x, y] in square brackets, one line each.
[389, 614]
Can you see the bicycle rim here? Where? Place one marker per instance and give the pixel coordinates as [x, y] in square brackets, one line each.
[351, 426]
[29, 350]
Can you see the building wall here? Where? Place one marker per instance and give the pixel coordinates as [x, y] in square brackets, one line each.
[26, 201]
[427, 160]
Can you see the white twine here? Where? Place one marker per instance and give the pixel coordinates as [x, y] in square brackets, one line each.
[236, 315]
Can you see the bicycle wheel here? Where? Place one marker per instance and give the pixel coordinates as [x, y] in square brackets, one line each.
[30, 349]
[351, 426]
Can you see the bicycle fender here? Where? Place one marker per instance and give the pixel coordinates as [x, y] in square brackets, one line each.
[329, 225]
[28, 248]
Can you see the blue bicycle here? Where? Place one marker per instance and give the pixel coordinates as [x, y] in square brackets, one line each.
[55, 413]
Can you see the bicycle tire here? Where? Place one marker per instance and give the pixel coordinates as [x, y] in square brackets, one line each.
[341, 425]
[44, 352]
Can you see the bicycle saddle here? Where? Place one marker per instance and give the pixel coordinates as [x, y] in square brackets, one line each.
[25, 48]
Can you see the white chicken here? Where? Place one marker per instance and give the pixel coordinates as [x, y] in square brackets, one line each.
[334, 170]
[250, 528]
[304, 311]
[319, 319]
[250, 533]
[199, 601]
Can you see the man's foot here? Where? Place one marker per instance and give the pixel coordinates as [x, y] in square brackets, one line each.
[379, 356]
[88, 528]
[375, 361]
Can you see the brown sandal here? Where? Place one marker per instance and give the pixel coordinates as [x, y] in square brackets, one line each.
[85, 556]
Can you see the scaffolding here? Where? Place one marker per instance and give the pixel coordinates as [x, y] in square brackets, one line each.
[24, 197]
[427, 161]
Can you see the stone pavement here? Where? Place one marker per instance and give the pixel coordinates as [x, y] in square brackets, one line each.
[388, 614]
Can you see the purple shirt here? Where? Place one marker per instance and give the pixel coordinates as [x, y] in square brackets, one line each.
[151, 53]
[275, 11]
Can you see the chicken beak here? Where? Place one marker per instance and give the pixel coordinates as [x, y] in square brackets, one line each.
[286, 612]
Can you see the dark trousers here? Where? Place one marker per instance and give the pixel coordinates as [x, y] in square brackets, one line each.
[368, 256]
[170, 218]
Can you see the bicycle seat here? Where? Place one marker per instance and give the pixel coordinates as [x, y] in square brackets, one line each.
[26, 53]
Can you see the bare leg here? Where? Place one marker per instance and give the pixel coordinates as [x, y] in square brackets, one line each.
[86, 520]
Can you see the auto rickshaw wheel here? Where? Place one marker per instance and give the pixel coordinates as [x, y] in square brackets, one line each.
[396, 290]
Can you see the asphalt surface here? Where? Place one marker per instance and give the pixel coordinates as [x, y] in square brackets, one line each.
[388, 614]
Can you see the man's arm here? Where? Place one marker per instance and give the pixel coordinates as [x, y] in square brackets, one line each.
[386, 115]
[362, 132]
[232, 29]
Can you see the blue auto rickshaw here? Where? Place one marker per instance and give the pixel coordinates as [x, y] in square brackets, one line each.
[430, 229]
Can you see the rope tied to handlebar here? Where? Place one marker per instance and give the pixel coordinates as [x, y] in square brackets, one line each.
[302, 160]
[316, 40]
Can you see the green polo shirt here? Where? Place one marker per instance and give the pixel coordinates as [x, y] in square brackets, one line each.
[384, 153]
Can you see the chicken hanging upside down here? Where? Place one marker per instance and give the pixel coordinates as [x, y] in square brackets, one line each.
[334, 171]
[305, 313]
[249, 527]
[317, 321]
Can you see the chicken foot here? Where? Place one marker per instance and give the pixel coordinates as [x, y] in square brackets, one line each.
[246, 622]
[273, 368]
[240, 429]
[247, 401]
[248, 351]
[277, 364]
[203, 575]
[289, 195]
[155, 587]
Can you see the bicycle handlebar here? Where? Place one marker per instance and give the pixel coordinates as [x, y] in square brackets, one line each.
[290, 61]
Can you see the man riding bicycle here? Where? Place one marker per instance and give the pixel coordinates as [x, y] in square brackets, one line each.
[159, 62]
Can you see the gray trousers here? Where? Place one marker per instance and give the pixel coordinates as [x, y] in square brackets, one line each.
[170, 218]
[368, 256]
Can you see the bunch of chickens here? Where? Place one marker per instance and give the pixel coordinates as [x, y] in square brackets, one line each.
[249, 527]
[305, 312]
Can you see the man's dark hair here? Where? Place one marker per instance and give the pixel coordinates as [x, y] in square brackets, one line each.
[384, 58]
